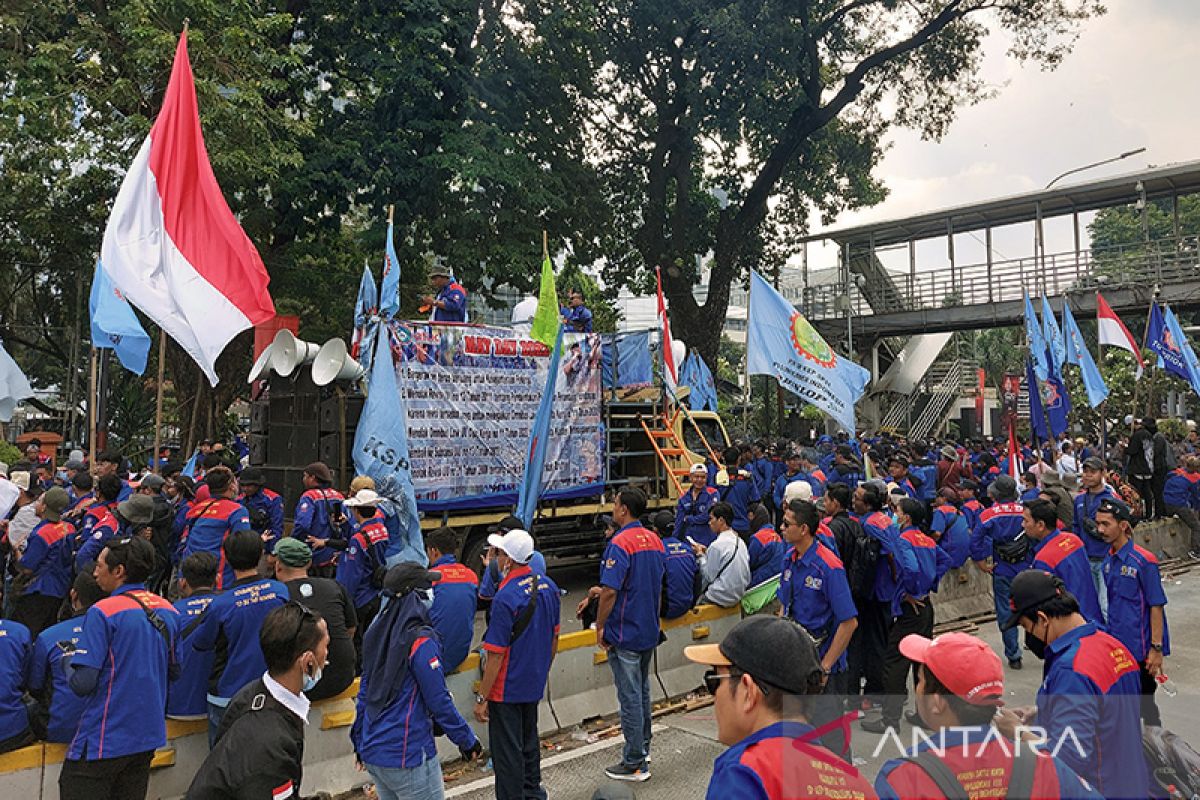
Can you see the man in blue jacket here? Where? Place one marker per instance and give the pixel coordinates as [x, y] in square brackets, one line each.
[999, 535]
[1095, 491]
[187, 696]
[691, 513]
[455, 597]
[403, 693]
[680, 584]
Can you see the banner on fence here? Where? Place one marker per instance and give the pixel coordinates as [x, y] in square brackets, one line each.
[472, 393]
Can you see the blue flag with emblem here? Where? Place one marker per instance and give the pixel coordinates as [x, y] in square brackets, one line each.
[1037, 415]
[1056, 348]
[782, 343]
[366, 306]
[389, 288]
[115, 326]
[1167, 340]
[381, 452]
[1078, 354]
[539, 439]
[1036, 341]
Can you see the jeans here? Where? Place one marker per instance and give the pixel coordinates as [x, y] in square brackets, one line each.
[121, 778]
[631, 675]
[1001, 587]
[516, 750]
[1097, 565]
[412, 783]
[215, 714]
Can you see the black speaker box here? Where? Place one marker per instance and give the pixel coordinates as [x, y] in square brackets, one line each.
[330, 414]
[330, 452]
[260, 416]
[258, 448]
[292, 445]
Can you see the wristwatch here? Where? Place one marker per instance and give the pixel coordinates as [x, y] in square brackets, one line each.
[1156, 647]
[479, 699]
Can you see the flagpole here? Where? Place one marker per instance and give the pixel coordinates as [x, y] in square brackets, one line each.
[92, 411]
[158, 400]
[1137, 384]
[746, 363]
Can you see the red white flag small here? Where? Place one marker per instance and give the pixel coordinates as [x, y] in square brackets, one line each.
[670, 371]
[1112, 332]
[172, 245]
[1014, 454]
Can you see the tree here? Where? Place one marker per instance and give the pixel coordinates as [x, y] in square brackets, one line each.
[722, 125]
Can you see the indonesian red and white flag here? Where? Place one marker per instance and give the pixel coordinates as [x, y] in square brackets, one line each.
[670, 371]
[173, 247]
[1014, 453]
[1112, 332]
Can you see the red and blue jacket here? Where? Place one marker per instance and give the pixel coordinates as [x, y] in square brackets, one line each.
[314, 517]
[455, 598]
[455, 298]
[982, 760]
[92, 544]
[1086, 505]
[971, 509]
[47, 678]
[932, 564]
[679, 581]
[1182, 489]
[814, 592]
[632, 565]
[897, 566]
[366, 552]
[691, 515]
[1134, 586]
[229, 628]
[271, 504]
[954, 533]
[524, 668]
[15, 647]
[124, 714]
[782, 482]
[1062, 554]
[767, 552]
[1000, 523]
[48, 557]
[784, 761]
[739, 494]
[400, 736]
[95, 514]
[187, 696]
[208, 526]
[1090, 701]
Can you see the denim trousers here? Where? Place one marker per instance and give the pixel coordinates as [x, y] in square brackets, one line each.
[423, 782]
[215, 714]
[1097, 566]
[631, 674]
[1001, 587]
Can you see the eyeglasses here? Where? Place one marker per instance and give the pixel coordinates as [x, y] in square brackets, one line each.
[712, 680]
[305, 614]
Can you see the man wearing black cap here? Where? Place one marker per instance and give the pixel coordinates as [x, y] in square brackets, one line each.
[761, 678]
[1089, 699]
[491, 578]
[1000, 537]
[1095, 491]
[320, 520]
[971, 507]
[1137, 603]
[264, 505]
[450, 305]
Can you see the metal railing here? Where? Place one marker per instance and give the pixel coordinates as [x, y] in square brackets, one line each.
[1163, 261]
[944, 394]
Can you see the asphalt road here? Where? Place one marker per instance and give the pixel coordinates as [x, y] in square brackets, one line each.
[686, 744]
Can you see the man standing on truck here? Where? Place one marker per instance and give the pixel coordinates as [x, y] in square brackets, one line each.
[450, 304]
[576, 317]
[691, 514]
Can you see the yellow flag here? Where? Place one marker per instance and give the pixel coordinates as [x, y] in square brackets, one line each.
[547, 320]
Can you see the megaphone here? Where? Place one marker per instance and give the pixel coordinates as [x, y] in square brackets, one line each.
[260, 365]
[290, 352]
[333, 363]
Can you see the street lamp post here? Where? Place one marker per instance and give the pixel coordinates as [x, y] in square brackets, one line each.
[1122, 156]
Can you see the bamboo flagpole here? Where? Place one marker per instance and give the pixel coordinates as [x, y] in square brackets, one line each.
[158, 401]
[92, 399]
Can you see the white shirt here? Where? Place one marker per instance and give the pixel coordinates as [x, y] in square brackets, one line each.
[296, 703]
[1068, 465]
[21, 525]
[725, 585]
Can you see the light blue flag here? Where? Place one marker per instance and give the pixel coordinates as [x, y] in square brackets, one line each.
[1183, 348]
[1037, 342]
[389, 289]
[189, 468]
[1055, 345]
[365, 307]
[782, 343]
[381, 452]
[696, 375]
[539, 439]
[1078, 354]
[115, 326]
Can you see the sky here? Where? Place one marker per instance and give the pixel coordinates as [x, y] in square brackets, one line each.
[1129, 83]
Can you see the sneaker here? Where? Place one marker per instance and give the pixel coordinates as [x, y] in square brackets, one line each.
[620, 772]
[877, 725]
[1014, 663]
[647, 758]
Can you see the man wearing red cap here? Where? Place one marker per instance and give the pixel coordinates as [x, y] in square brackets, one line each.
[959, 687]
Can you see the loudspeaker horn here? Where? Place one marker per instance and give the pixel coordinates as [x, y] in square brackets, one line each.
[290, 352]
[260, 365]
[333, 363]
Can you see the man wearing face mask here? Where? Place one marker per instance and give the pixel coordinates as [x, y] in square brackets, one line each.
[260, 744]
[403, 693]
[1090, 695]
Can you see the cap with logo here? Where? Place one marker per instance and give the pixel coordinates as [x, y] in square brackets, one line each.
[698, 469]
[293, 552]
[774, 650]
[1115, 507]
[962, 663]
[1029, 590]
[516, 544]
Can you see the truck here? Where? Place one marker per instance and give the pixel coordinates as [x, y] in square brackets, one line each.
[471, 393]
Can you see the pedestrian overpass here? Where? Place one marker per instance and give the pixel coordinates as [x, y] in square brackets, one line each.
[897, 312]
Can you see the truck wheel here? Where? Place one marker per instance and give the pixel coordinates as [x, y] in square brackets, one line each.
[473, 550]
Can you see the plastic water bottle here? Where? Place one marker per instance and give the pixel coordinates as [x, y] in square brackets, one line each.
[1166, 684]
